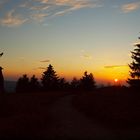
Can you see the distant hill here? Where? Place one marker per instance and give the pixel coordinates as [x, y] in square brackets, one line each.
[10, 86]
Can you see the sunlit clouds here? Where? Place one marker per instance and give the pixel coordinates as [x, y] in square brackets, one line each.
[115, 66]
[45, 61]
[38, 10]
[42, 68]
[39, 16]
[129, 7]
[12, 19]
[15, 13]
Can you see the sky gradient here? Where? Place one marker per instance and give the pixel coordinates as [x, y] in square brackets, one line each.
[72, 35]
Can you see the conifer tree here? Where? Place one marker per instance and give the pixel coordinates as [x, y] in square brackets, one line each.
[134, 81]
[75, 83]
[63, 84]
[22, 84]
[34, 84]
[87, 82]
[50, 79]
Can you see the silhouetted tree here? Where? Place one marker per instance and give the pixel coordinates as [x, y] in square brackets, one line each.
[1, 81]
[75, 83]
[34, 84]
[50, 80]
[134, 81]
[22, 84]
[63, 84]
[87, 82]
[1, 54]
[1, 78]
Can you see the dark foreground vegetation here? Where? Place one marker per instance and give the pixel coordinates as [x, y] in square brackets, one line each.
[26, 115]
[113, 107]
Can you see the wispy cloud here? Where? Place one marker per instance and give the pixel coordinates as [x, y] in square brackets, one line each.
[44, 1]
[42, 68]
[74, 5]
[115, 66]
[39, 16]
[129, 7]
[86, 55]
[45, 61]
[38, 10]
[12, 19]
[40, 7]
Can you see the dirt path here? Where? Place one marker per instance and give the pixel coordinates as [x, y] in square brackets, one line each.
[69, 123]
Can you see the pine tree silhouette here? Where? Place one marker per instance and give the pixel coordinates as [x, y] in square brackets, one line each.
[22, 84]
[134, 81]
[87, 82]
[34, 84]
[75, 83]
[63, 84]
[50, 79]
[1, 81]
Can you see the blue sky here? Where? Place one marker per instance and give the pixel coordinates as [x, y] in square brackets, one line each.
[72, 35]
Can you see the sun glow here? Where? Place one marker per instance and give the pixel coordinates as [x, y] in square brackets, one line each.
[116, 80]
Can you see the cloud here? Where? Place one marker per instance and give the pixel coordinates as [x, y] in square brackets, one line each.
[44, 1]
[115, 66]
[74, 5]
[129, 7]
[39, 16]
[45, 61]
[38, 10]
[43, 68]
[11, 19]
[86, 55]
[40, 7]
[63, 2]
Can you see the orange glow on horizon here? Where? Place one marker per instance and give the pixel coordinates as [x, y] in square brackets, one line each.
[101, 75]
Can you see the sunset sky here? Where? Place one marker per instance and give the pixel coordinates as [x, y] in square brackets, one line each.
[72, 35]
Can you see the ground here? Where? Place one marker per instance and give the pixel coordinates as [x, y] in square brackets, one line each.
[69, 123]
[62, 116]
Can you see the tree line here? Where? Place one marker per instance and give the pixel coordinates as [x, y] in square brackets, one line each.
[50, 81]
